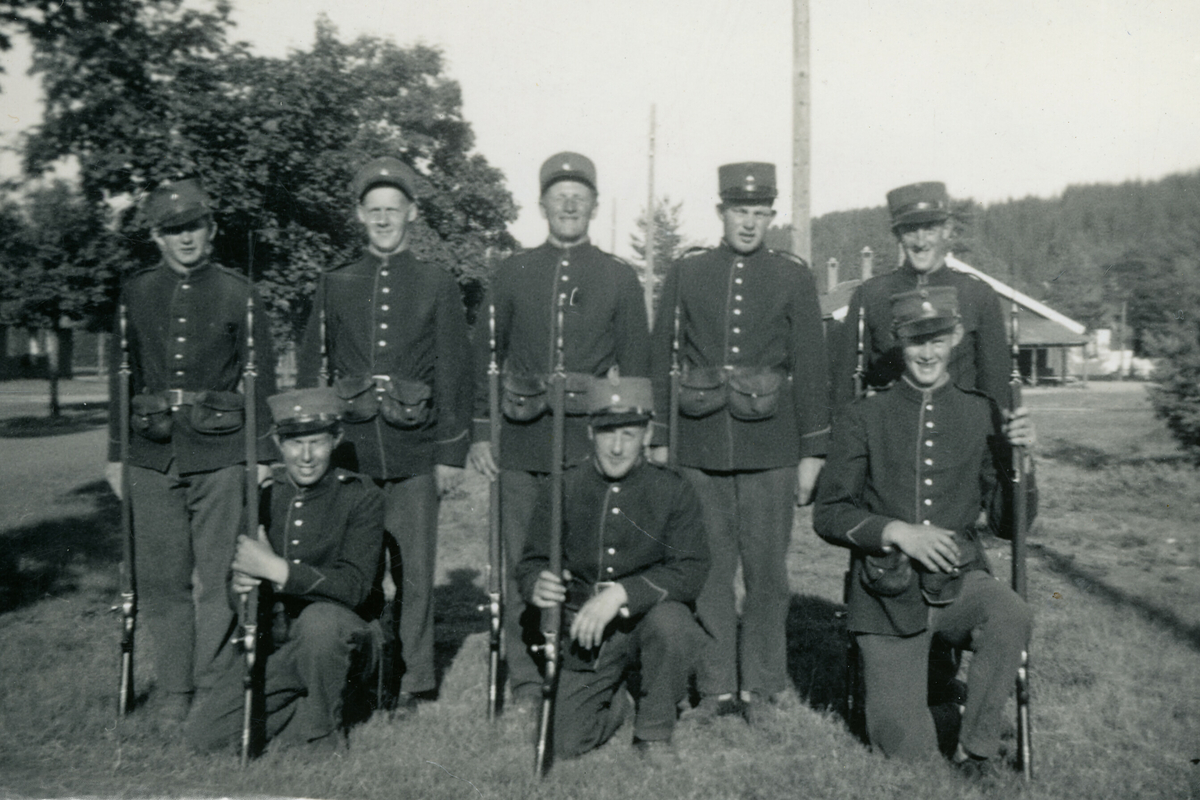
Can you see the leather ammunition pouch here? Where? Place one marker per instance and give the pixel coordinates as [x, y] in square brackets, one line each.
[943, 588]
[523, 398]
[701, 391]
[359, 401]
[887, 575]
[404, 403]
[218, 412]
[150, 417]
[754, 393]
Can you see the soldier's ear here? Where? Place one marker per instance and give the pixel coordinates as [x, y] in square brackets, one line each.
[958, 336]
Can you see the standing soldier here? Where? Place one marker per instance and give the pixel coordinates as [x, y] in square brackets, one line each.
[390, 332]
[605, 328]
[753, 428]
[187, 341]
[922, 224]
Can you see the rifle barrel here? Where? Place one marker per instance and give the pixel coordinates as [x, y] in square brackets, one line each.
[125, 692]
[495, 581]
[248, 605]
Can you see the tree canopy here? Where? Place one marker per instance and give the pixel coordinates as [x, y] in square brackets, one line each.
[141, 91]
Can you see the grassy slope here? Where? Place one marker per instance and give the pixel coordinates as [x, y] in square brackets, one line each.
[1115, 674]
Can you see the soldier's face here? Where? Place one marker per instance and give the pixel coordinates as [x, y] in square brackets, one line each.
[925, 244]
[185, 246]
[307, 456]
[386, 212]
[568, 208]
[745, 225]
[618, 450]
[927, 358]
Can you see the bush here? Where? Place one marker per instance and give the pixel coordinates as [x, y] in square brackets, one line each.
[1176, 398]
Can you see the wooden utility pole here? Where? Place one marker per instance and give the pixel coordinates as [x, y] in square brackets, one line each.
[651, 229]
[801, 133]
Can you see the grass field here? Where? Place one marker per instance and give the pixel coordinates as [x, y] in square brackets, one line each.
[1114, 576]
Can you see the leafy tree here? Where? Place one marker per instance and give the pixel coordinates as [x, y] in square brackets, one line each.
[49, 271]
[1176, 395]
[139, 91]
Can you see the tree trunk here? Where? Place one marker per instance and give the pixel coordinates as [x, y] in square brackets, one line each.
[52, 371]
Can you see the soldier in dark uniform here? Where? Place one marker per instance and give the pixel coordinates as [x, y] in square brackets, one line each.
[634, 559]
[316, 566]
[605, 328]
[921, 222]
[390, 332]
[187, 342]
[909, 471]
[753, 428]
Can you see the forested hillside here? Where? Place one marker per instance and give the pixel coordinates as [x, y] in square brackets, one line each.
[1084, 253]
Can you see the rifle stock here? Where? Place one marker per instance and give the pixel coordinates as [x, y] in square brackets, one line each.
[496, 572]
[248, 604]
[552, 617]
[1019, 512]
[125, 692]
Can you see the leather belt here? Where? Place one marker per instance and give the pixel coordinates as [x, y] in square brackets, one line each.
[180, 397]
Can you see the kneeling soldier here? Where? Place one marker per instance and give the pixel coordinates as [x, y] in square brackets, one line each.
[634, 560]
[909, 471]
[324, 536]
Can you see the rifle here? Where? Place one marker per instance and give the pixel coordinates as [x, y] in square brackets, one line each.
[125, 695]
[495, 579]
[247, 636]
[1019, 510]
[676, 376]
[855, 712]
[552, 617]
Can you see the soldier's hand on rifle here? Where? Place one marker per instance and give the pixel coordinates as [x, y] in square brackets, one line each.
[112, 474]
[806, 478]
[481, 460]
[549, 590]
[658, 454]
[1019, 428]
[934, 547]
[589, 624]
[256, 559]
[241, 583]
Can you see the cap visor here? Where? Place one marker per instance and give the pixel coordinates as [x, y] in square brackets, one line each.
[182, 218]
[918, 217]
[305, 427]
[619, 420]
[926, 327]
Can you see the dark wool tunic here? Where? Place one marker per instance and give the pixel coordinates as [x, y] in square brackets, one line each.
[643, 531]
[604, 321]
[921, 457]
[330, 533]
[400, 317]
[759, 311]
[188, 332]
[981, 361]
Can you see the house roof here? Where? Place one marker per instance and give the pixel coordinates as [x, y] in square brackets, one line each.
[1038, 325]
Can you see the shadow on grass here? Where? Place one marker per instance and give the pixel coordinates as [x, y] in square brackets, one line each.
[1094, 459]
[456, 616]
[816, 651]
[45, 558]
[75, 417]
[1088, 582]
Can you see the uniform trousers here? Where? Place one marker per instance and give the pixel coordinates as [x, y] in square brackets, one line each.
[411, 517]
[588, 709]
[304, 684]
[989, 619]
[185, 525]
[748, 518]
[518, 496]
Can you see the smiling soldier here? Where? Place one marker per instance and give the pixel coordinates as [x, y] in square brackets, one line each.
[604, 328]
[187, 341]
[922, 224]
[910, 469]
[390, 332]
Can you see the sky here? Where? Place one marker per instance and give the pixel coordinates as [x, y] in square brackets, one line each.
[998, 98]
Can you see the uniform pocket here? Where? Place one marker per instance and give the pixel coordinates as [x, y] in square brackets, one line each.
[406, 404]
[888, 575]
[754, 393]
[218, 412]
[701, 391]
[150, 417]
[360, 402]
[523, 397]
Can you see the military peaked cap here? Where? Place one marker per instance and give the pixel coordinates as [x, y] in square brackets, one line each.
[615, 402]
[177, 203]
[567, 166]
[925, 311]
[303, 411]
[919, 202]
[747, 182]
[385, 171]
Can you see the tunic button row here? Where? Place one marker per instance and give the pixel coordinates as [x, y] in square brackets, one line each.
[566, 263]
[929, 407]
[737, 312]
[737, 297]
[616, 488]
[383, 273]
[737, 330]
[299, 503]
[295, 561]
[929, 481]
[384, 307]
[181, 320]
[179, 356]
[299, 522]
[564, 278]
[740, 265]
[383, 326]
[925, 522]
[616, 510]
[929, 462]
[737, 281]
[608, 570]
[929, 424]
[735, 349]
[929, 443]
[180, 339]
[928, 502]
[386, 290]
[382, 343]
[295, 541]
[612, 551]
